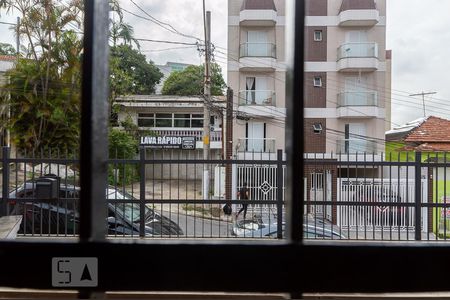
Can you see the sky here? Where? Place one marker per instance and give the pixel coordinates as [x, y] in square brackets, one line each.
[419, 43]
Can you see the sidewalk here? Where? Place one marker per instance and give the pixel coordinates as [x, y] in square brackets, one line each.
[188, 191]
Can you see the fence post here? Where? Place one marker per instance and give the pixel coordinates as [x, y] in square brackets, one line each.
[5, 180]
[418, 196]
[142, 191]
[280, 194]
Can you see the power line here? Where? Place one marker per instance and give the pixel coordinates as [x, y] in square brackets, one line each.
[166, 42]
[160, 23]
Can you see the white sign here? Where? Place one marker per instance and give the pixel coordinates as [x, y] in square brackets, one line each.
[168, 142]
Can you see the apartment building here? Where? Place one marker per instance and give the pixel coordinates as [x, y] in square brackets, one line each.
[257, 74]
[348, 76]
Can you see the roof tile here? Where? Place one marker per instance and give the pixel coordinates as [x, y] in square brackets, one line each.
[433, 129]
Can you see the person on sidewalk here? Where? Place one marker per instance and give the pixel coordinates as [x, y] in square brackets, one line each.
[243, 194]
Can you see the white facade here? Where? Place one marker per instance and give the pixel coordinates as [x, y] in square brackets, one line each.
[257, 74]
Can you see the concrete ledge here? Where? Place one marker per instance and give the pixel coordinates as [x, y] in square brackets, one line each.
[9, 226]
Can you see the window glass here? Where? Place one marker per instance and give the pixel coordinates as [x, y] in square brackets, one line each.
[146, 122]
[182, 116]
[182, 123]
[163, 123]
[146, 115]
[164, 116]
[197, 123]
[317, 35]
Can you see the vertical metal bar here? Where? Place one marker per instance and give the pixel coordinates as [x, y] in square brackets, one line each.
[295, 116]
[5, 180]
[142, 192]
[94, 121]
[279, 194]
[418, 195]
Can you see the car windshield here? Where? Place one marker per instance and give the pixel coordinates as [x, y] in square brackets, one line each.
[129, 211]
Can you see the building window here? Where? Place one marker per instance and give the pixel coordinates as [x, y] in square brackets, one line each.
[318, 81]
[170, 120]
[146, 120]
[197, 121]
[182, 120]
[317, 35]
[317, 181]
[163, 120]
[317, 128]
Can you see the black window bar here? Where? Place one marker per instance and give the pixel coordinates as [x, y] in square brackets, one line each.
[291, 266]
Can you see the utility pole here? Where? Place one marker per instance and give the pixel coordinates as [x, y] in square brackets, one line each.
[423, 94]
[18, 36]
[207, 101]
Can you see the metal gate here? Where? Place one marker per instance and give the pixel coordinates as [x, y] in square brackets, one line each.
[321, 190]
[261, 181]
[378, 217]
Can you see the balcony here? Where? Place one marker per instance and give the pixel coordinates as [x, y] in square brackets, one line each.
[258, 17]
[358, 13]
[256, 145]
[358, 105]
[355, 57]
[215, 136]
[260, 103]
[352, 146]
[257, 97]
[257, 57]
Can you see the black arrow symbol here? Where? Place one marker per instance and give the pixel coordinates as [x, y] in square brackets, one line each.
[86, 275]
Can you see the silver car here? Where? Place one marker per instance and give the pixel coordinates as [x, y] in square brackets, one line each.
[313, 228]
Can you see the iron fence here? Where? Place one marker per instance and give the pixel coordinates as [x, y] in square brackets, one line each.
[158, 194]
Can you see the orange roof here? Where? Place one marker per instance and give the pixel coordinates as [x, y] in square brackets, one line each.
[433, 129]
[7, 57]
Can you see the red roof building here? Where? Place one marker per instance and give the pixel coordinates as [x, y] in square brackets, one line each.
[432, 135]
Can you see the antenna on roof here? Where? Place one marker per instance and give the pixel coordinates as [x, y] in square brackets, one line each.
[423, 100]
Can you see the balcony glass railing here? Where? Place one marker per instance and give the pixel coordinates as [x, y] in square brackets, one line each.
[368, 98]
[355, 145]
[351, 50]
[257, 97]
[256, 145]
[258, 50]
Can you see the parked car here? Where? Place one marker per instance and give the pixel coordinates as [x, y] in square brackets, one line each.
[61, 216]
[313, 228]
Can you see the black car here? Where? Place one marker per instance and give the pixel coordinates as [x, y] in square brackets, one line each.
[61, 216]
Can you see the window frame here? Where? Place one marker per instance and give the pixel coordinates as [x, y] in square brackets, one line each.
[276, 266]
[320, 37]
[317, 81]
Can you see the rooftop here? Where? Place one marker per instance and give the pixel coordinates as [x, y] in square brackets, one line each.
[433, 130]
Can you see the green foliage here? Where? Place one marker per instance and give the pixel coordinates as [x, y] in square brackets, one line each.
[45, 109]
[7, 49]
[122, 145]
[131, 73]
[189, 82]
[44, 86]
[394, 153]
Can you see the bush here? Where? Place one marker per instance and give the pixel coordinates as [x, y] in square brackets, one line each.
[122, 145]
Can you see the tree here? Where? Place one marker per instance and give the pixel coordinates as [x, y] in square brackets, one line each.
[7, 49]
[189, 82]
[44, 86]
[131, 73]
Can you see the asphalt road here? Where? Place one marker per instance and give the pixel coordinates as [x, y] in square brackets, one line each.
[197, 227]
